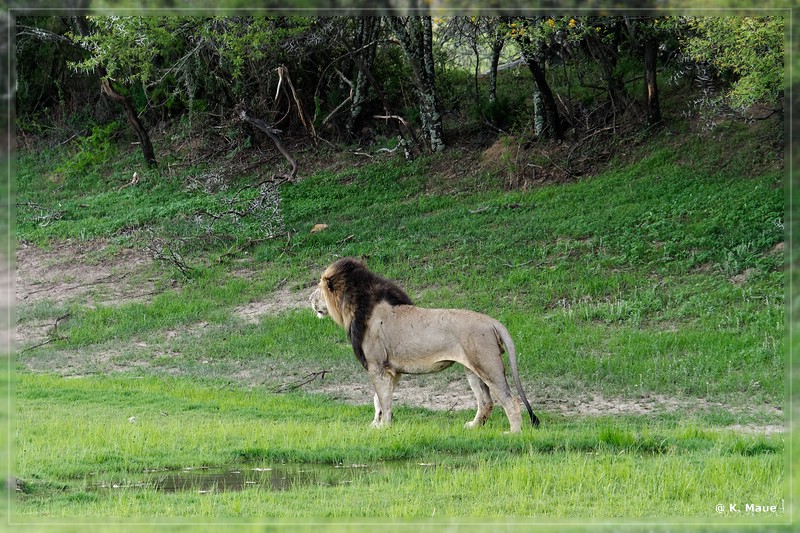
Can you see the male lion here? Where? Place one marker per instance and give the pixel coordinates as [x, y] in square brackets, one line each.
[391, 336]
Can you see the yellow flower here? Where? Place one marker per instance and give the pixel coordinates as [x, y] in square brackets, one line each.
[551, 22]
[572, 23]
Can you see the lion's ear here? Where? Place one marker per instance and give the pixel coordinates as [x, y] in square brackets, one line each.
[330, 285]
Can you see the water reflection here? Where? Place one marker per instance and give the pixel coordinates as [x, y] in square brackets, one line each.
[274, 477]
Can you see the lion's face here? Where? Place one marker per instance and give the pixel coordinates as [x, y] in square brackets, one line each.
[318, 303]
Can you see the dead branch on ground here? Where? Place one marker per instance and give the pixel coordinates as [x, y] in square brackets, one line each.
[308, 378]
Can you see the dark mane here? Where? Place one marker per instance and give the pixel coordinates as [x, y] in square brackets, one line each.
[362, 290]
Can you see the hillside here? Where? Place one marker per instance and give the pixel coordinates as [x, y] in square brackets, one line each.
[667, 261]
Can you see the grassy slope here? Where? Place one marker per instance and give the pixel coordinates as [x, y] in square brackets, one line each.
[619, 284]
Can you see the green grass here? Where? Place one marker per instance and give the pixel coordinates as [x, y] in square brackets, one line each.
[569, 468]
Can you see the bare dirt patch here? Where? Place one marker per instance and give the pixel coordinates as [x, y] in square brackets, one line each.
[80, 271]
[273, 304]
[455, 395]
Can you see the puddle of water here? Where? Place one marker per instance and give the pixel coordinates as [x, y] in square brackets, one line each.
[274, 477]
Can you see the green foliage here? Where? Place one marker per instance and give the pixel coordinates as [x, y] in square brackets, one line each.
[194, 60]
[47, 92]
[205, 66]
[396, 78]
[748, 51]
[131, 48]
[94, 152]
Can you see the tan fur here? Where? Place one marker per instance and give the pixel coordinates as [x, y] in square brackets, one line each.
[406, 339]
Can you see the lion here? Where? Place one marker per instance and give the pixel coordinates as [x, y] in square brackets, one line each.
[391, 336]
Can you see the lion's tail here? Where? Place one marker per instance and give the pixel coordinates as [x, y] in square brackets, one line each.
[505, 338]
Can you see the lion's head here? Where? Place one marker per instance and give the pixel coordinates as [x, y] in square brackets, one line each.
[350, 291]
[318, 303]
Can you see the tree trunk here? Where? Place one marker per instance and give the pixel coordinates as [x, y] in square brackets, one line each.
[475, 77]
[497, 47]
[416, 37]
[539, 120]
[650, 82]
[127, 106]
[133, 120]
[548, 101]
[368, 30]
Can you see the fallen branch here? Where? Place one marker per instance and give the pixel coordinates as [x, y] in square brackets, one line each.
[59, 319]
[133, 181]
[302, 381]
[45, 216]
[526, 263]
[453, 407]
[273, 135]
[406, 133]
[48, 341]
[161, 251]
[107, 279]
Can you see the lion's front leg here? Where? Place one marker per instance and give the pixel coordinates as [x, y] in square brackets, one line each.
[376, 422]
[384, 383]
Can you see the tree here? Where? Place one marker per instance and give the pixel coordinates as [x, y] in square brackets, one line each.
[416, 38]
[531, 39]
[130, 113]
[604, 46]
[645, 34]
[497, 40]
[366, 43]
[478, 33]
[650, 80]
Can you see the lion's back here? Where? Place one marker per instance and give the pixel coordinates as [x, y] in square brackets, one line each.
[414, 330]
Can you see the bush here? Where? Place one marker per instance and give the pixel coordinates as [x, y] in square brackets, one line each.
[94, 151]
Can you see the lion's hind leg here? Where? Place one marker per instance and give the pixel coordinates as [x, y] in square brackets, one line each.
[482, 397]
[498, 386]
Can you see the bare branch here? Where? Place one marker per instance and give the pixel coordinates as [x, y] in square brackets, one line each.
[345, 101]
[308, 378]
